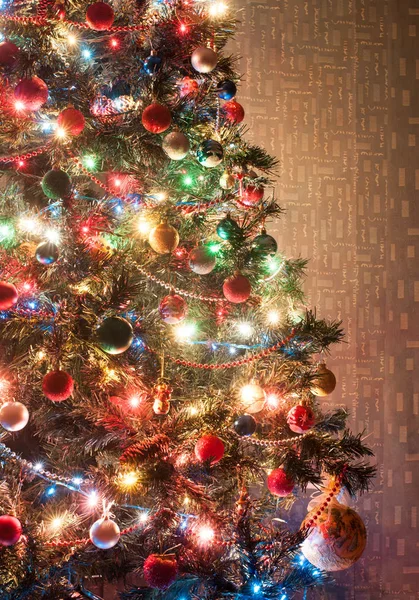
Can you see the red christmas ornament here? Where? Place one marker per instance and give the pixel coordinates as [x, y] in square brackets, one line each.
[188, 87]
[173, 309]
[31, 93]
[162, 394]
[160, 570]
[279, 484]
[209, 448]
[57, 386]
[9, 53]
[233, 111]
[8, 295]
[237, 289]
[251, 195]
[100, 16]
[156, 118]
[300, 419]
[10, 530]
[72, 121]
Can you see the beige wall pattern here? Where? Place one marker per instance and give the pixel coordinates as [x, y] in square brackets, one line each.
[331, 88]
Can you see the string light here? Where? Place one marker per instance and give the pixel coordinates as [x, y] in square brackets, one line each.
[89, 162]
[38, 466]
[144, 226]
[273, 400]
[56, 523]
[86, 53]
[193, 411]
[93, 499]
[256, 588]
[245, 329]
[218, 9]
[60, 133]
[134, 401]
[128, 480]
[205, 534]
[183, 28]
[273, 317]
[187, 180]
[160, 196]
[52, 235]
[185, 331]
[143, 518]
[19, 105]
[71, 39]
[114, 43]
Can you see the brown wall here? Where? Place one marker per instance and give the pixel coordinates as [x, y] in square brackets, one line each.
[331, 87]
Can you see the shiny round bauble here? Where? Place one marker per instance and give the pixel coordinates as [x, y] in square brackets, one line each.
[160, 570]
[264, 245]
[300, 419]
[204, 60]
[8, 295]
[209, 448]
[325, 381]
[56, 184]
[237, 289]
[226, 90]
[176, 145]
[100, 16]
[14, 416]
[161, 406]
[227, 181]
[10, 530]
[252, 195]
[245, 425]
[104, 533]
[9, 54]
[252, 397]
[233, 112]
[188, 87]
[47, 253]
[227, 228]
[71, 121]
[173, 309]
[152, 64]
[31, 93]
[115, 335]
[164, 238]
[156, 118]
[57, 386]
[210, 154]
[202, 260]
[337, 537]
[279, 484]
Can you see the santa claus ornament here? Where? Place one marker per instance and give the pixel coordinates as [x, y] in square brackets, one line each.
[173, 309]
[300, 419]
[162, 394]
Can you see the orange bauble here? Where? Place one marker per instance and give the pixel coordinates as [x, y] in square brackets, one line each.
[164, 238]
[325, 382]
[337, 540]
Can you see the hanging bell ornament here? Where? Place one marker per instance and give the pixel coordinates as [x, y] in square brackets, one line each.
[162, 394]
[325, 381]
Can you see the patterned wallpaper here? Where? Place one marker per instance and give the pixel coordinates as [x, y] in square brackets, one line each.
[331, 88]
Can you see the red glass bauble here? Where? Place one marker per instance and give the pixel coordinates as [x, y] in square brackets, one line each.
[209, 448]
[31, 92]
[237, 289]
[160, 570]
[9, 53]
[10, 530]
[8, 295]
[57, 386]
[173, 309]
[156, 118]
[100, 16]
[279, 484]
[233, 111]
[72, 121]
[300, 419]
[251, 195]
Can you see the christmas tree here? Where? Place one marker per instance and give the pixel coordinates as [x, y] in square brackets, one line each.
[160, 373]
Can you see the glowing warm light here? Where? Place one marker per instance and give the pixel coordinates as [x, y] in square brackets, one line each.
[245, 329]
[186, 500]
[71, 40]
[40, 355]
[182, 459]
[38, 466]
[143, 518]
[28, 224]
[183, 28]
[93, 499]
[273, 401]
[117, 182]
[21, 163]
[60, 133]
[205, 534]
[52, 235]
[273, 317]
[185, 331]
[4, 384]
[19, 105]
[128, 479]
[160, 196]
[144, 227]
[114, 43]
[57, 523]
[193, 411]
[134, 401]
[218, 9]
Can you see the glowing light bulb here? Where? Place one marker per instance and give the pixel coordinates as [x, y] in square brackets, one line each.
[205, 534]
[187, 180]
[19, 105]
[185, 331]
[144, 227]
[72, 40]
[77, 480]
[57, 523]
[218, 9]
[38, 466]
[193, 411]
[86, 53]
[143, 518]
[117, 182]
[28, 224]
[114, 43]
[160, 196]
[186, 500]
[21, 163]
[273, 401]
[40, 355]
[134, 401]
[273, 317]
[245, 329]
[60, 133]
[183, 28]
[256, 588]
[129, 479]
[89, 162]
[93, 499]
[52, 235]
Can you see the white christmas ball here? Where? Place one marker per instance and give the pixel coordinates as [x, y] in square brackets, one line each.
[176, 145]
[104, 534]
[204, 60]
[14, 416]
[202, 260]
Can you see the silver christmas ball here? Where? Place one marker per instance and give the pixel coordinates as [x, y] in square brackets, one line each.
[104, 533]
[202, 260]
[210, 153]
[176, 145]
[14, 416]
[204, 60]
[227, 181]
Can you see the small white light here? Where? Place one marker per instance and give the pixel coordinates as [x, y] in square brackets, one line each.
[52, 235]
[134, 401]
[185, 331]
[38, 467]
[57, 523]
[160, 196]
[144, 227]
[93, 499]
[19, 105]
[193, 411]
[245, 329]
[217, 9]
[143, 518]
[273, 317]
[205, 534]
[71, 40]
[60, 133]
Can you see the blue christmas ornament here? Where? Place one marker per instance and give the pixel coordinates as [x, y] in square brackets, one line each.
[152, 64]
[226, 89]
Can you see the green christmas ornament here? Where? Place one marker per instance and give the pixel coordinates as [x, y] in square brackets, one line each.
[56, 184]
[264, 244]
[115, 335]
[210, 153]
[227, 228]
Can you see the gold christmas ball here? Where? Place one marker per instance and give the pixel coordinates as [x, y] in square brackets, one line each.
[336, 540]
[253, 398]
[14, 416]
[227, 181]
[164, 238]
[325, 381]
